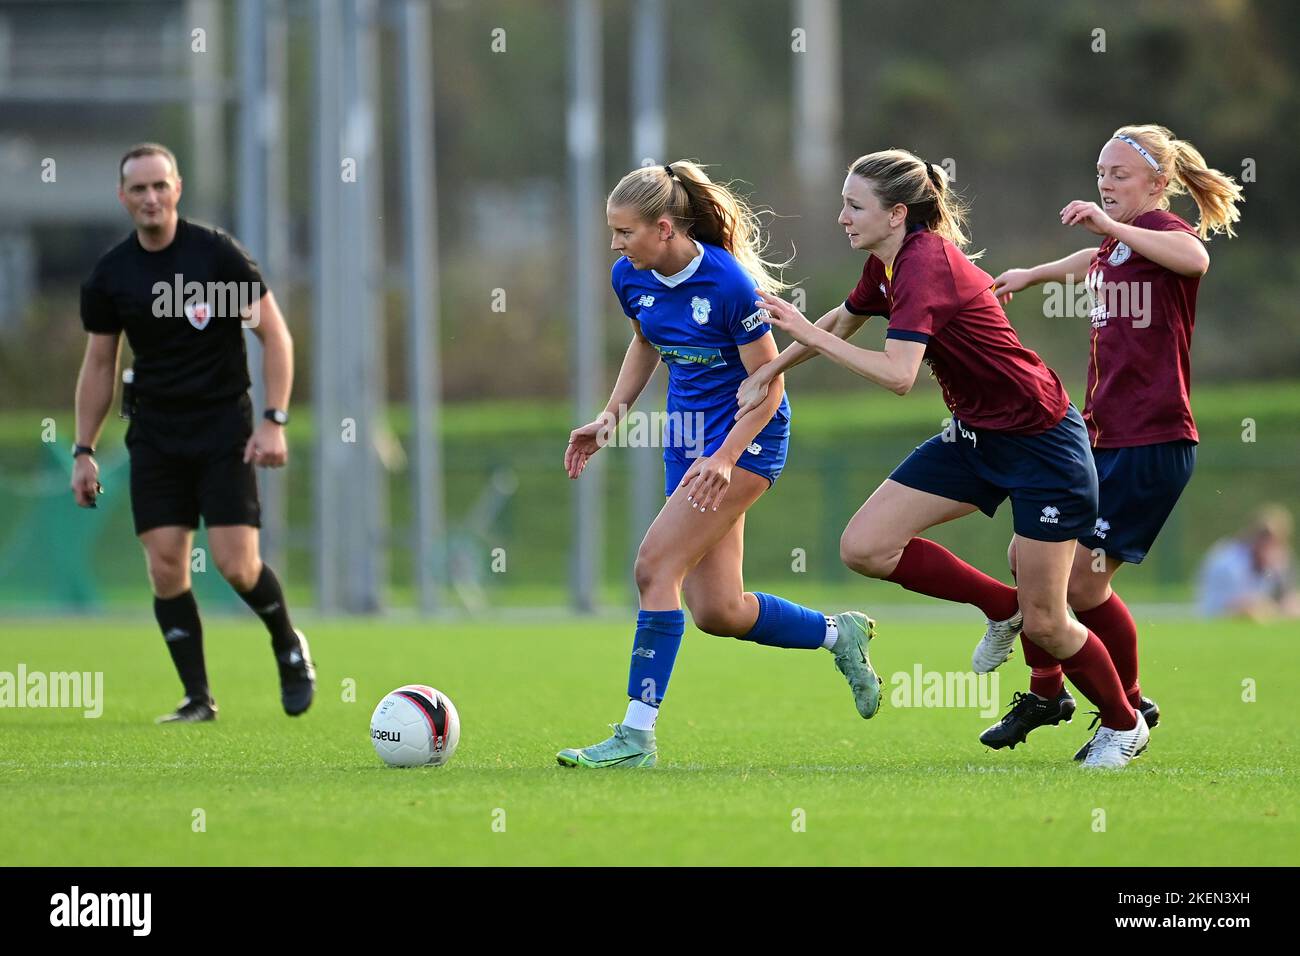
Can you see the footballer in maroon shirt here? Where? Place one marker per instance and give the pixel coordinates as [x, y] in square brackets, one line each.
[1014, 433]
[1142, 282]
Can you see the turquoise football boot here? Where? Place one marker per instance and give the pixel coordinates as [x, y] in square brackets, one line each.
[627, 748]
[856, 631]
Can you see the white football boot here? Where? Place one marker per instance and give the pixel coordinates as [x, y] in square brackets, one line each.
[1112, 749]
[996, 645]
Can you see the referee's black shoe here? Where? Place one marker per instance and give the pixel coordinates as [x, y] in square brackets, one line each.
[192, 710]
[1150, 713]
[1028, 712]
[297, 677]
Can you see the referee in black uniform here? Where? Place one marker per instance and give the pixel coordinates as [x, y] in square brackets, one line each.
[183, 292]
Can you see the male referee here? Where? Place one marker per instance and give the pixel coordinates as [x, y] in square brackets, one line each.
[181, 291]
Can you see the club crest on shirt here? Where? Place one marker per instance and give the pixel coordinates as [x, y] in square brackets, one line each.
[1120, 255]
[700, 309]
[199, 314]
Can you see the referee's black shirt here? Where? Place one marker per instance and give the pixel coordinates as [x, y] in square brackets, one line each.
[188, 344]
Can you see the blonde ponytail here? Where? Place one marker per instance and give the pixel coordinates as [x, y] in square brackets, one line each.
[705, 210]
[1216, 194]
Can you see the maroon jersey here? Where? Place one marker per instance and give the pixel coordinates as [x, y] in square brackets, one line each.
[1139, 363]
[937, 296]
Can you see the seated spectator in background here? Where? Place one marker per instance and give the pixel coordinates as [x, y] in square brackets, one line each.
[1251, 575]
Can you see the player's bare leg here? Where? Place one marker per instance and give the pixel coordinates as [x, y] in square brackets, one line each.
[714, 590]
[874, 539]
[882, 541]
[715, 593]
[680, 536]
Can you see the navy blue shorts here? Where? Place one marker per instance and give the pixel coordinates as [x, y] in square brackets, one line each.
[765, 456]
[1139, 488]
[1050, 477]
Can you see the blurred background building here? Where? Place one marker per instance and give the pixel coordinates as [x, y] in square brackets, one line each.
[466, 261]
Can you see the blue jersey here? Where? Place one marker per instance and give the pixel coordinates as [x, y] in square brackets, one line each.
[697, 319]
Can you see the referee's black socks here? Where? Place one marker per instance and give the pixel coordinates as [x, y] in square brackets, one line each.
[178, 617]
[267, 601]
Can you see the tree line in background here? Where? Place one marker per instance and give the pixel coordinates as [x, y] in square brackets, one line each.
[1018, 96]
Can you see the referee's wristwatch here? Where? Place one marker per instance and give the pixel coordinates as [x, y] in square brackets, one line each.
[277, 415]
[82, 450]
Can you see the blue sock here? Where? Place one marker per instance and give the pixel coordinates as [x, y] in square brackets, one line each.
[782, 624]
[654, 649]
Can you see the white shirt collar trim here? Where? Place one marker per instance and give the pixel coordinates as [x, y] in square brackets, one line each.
[676, 280]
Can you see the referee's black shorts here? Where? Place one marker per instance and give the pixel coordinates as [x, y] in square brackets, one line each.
[188, 461]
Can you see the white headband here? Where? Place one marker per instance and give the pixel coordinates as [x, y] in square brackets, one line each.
[1138, 146]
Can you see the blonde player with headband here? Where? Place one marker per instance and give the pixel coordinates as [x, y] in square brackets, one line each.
[1143, 279]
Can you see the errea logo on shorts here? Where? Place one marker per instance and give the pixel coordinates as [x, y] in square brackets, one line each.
[1051, 515]
[1100, 528]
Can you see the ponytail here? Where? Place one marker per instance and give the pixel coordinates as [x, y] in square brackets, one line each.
[899, 176]
[705, 210]
[1216, 194]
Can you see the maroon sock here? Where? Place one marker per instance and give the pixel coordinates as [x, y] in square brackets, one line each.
[1090, 669]
[1045, 678]
[929, 568]
[1113, 624]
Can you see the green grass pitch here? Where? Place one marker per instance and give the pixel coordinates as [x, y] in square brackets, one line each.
[763, 759]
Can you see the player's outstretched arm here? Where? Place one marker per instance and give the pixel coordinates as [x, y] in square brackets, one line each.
[639, 364]
[895, 368]
[839, 321]
[1075, 266]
